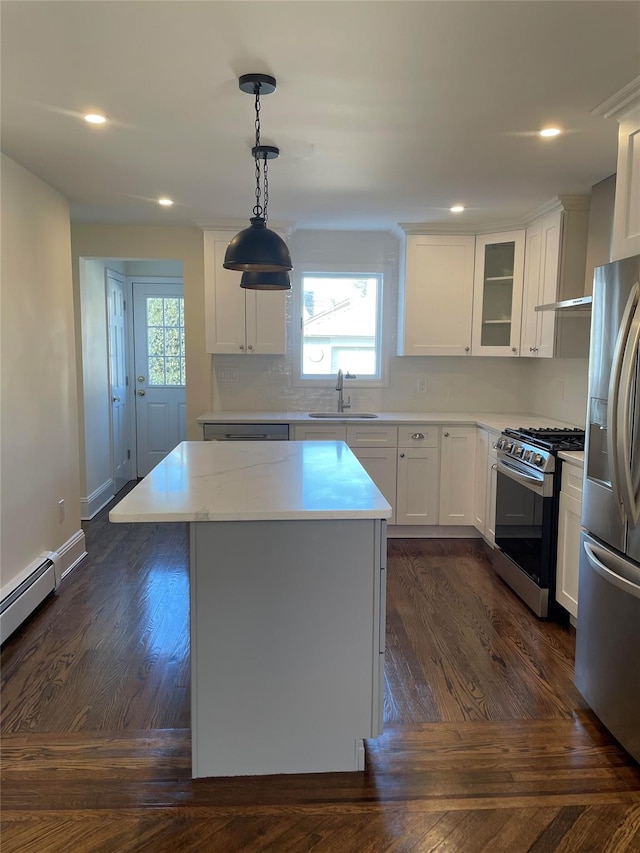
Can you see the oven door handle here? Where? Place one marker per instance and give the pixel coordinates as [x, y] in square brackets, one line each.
[535, 483]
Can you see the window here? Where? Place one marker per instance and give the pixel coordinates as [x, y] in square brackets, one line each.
[341, 322]
[165, 340]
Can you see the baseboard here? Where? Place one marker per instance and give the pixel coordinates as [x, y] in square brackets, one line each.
[431, 531]
[96, 501]
[71, 553]
[36, 581]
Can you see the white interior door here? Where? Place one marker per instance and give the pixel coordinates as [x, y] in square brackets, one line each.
[160, 382]
[120, 451]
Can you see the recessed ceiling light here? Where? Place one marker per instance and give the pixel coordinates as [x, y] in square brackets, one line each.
[550, 131]
[165, 202]
[95, 118]
[457, 208]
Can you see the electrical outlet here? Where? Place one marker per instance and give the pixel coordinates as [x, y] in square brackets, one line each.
[61, 509]
[227, 374]
[422, 385]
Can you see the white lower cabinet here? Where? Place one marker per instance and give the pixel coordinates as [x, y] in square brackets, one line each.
[569, 513]
[426, 473]
[417, 488]
[328, 432]
[380, 465]
[485, 484]
[457, 475]
[374, 446]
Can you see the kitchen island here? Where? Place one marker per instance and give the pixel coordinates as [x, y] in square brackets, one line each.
[287, 575]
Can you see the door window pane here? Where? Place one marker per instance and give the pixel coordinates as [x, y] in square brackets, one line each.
[165, 340]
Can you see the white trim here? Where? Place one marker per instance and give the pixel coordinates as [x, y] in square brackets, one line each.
[384, 327]
[434, 531]
[71, 553]
[97, 500]
[620, 102]
[577, 201]
[235, 225]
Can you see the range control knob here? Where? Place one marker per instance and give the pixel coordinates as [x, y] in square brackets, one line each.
[538, 460]
[509, 446]
[527, 455]
[519, 450]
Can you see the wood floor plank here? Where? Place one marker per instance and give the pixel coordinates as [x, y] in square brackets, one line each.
[487, 744]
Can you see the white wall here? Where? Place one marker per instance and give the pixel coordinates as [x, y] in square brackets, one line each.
[39, 418]
[559, 388]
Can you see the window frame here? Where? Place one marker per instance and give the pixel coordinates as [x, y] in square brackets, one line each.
[383, 335]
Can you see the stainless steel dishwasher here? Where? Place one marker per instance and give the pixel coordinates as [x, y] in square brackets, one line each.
[245, 432]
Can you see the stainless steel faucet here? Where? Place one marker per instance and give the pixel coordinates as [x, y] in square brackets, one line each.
[339, 388]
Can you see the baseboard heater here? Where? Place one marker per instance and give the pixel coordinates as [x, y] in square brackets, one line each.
[39, 579]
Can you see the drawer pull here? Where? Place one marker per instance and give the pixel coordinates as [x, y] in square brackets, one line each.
[418, 436]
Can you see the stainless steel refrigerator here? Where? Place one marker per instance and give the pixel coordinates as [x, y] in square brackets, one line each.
[608, 630]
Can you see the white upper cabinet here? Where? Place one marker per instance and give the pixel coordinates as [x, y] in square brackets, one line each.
[626, 218]
[239, 321]
[555, 258]
[497, 297]
[435, 315]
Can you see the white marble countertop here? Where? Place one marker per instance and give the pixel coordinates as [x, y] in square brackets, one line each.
[496, 421]
[254, 481]
[576, 457]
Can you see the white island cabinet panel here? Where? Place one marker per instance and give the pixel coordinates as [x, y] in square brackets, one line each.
[287, 574]
[286, 661]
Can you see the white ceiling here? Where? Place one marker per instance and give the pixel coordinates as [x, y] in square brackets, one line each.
[386, 111]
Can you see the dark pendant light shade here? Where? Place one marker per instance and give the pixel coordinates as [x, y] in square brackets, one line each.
[265, 281]
[257, 249]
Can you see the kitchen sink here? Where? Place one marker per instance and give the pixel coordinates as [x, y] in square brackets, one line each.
[340, 415]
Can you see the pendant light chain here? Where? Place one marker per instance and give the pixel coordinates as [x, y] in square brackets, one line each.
[266, 188]
[257, 210]
[259, 253]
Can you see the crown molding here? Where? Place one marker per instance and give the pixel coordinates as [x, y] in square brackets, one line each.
[576, 201]
[621, 102]
[284, 226]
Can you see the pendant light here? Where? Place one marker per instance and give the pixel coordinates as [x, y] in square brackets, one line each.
[257, 249]
[265, 281]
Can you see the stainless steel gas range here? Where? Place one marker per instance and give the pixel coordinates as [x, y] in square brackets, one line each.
[527, 492]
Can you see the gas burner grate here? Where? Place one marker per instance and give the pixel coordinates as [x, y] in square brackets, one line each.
[551, 438]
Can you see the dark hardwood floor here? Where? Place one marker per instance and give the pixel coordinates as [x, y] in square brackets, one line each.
[487, 744]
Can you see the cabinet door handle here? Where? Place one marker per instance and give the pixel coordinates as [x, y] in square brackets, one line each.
[467, 349]
[418, 436]
[446, 435]
[241, 346]
[494, 467]
[402, 456]
[250, 346]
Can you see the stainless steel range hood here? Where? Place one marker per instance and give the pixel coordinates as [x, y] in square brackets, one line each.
[581, 303]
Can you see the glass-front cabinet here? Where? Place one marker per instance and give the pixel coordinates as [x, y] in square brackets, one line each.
[497, 299]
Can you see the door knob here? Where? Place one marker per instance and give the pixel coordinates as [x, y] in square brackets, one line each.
[140, 378]
[115, 399]
[141, 392]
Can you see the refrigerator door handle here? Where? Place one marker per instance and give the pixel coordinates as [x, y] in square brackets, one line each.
[608, 574]
[613, 403]
[623, 449]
